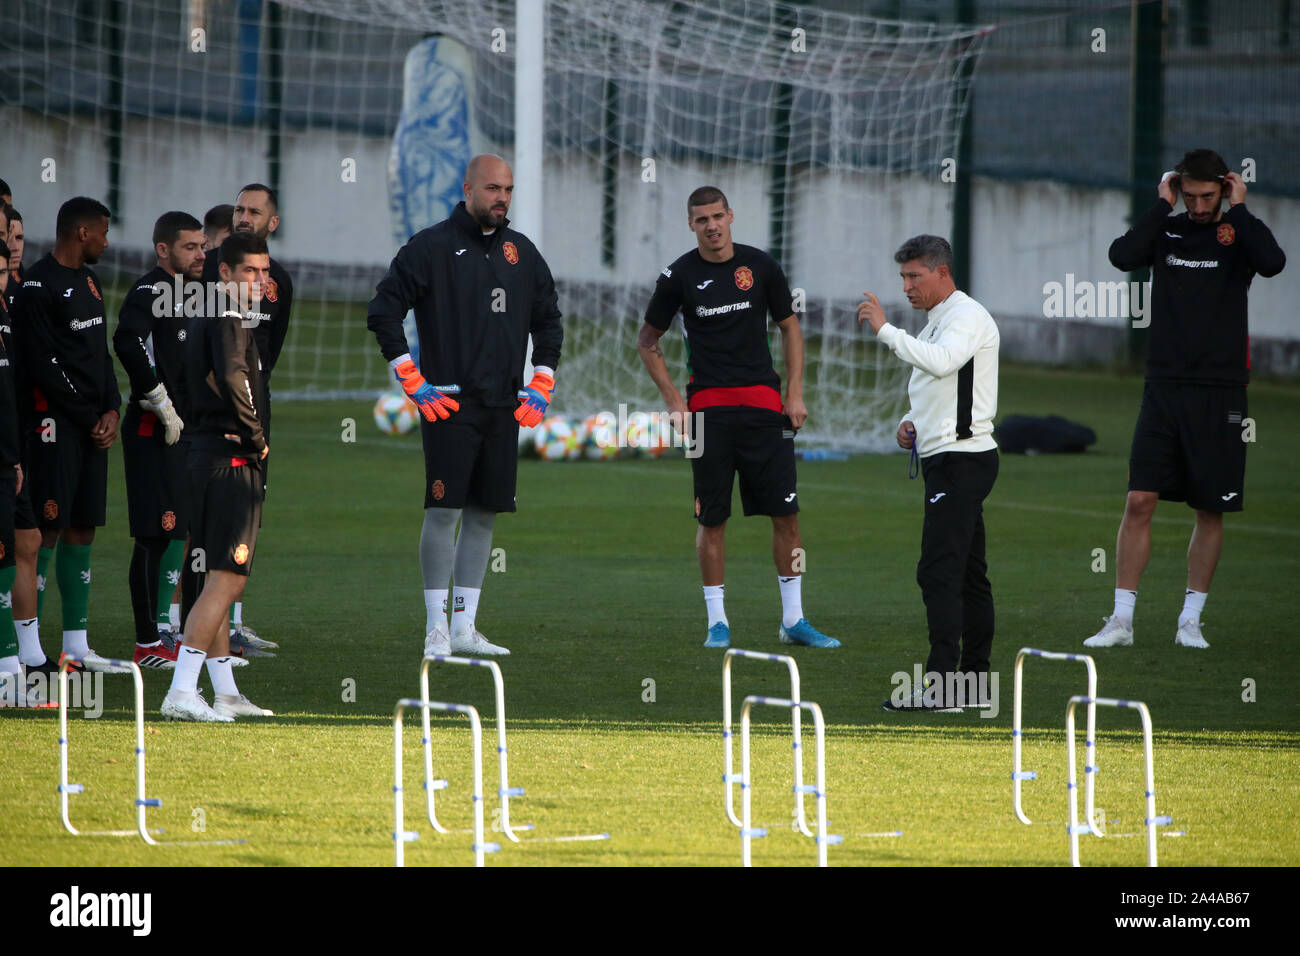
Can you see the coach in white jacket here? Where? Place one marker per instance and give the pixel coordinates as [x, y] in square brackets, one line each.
[953, 394]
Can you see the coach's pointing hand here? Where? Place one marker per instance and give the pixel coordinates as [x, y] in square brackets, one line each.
[872, 312]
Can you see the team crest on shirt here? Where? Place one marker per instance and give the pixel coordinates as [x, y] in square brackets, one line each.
[94, 289]
[241, 554]
[270, 291]
[1226, 235]
[744, 278]
[512, 254]
[169, 520]
[438, 489]
[51, 509]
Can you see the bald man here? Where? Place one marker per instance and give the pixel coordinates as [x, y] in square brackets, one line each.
[479, 290]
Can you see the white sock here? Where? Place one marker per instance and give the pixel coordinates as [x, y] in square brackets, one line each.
[74, 643]
[713, 602]
[464, 607]
[11, 665]
[174, 617]
[30, 651]
[435, 608]
[1193, 605]
[791, 599]
[237, 613]
[222, 675]
[185, 676]
[1125, 602]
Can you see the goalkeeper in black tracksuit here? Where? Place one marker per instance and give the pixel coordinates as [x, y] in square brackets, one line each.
[479, 290]
[1190, 440]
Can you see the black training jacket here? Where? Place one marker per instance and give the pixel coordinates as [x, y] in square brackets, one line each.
[1200, 274]
[476, 300]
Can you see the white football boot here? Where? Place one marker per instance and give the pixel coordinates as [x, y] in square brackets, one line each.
[473, 644]
[1115, 634]
[237, 705]
[437, 642]
[190, 705]
[1189, 635]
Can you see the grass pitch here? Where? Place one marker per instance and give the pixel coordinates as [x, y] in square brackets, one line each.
[614, 708]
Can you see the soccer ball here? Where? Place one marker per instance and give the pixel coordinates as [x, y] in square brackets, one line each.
[557, 439]
[395, 414]
[636, 435]
[602, 436]
[660, 436]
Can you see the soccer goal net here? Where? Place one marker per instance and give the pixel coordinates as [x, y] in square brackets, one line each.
[833, 136]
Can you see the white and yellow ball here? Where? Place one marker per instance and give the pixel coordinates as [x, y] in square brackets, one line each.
[602, 436]
[558, 439]
[395, 414]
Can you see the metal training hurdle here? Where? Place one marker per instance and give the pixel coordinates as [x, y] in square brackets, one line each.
[402, 836]
[1152, 821]
[504, 790]
[142, 803]
[818, 790]
[729, 777]
[1090, 766]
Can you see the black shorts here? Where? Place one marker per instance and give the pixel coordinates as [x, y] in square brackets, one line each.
[757, 443]
[69, 476]
[226, 497]
[471, 458]
[8, 492]
[157, 479]
[1187, 445]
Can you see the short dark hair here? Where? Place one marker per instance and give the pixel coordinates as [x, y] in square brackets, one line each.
[270, 195]
[706, 196]
[219, 217]
[14, 214]
[933, 251]
[239, 245]
[4, 254]
[4, 189]
[1204, 165]
[77, 212]
[169, 225]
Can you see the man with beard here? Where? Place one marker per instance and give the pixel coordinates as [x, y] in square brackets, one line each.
[150, 344]
[479, 289]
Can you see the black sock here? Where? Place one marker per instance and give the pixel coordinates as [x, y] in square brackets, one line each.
[142, 579]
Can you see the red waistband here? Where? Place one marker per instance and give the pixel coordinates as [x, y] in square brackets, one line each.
[238, 462]
[750, 396]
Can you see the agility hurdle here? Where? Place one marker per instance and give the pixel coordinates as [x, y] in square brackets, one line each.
[1090, 767]
[1152, 821]
[818, 790]
[142, 803]
[504, 790]
[729, 777]
[402, 836]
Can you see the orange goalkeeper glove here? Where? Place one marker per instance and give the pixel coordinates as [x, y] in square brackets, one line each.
[432, 402]
[534, 398]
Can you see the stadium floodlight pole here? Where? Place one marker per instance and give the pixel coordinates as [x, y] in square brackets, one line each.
[1152, 821]
[729, 777]
[402, 836]
[142, 802]
[1090, 766]
[530, 37]
[818, 790]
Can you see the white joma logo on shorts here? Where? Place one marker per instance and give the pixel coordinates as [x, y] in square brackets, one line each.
[1229, 496]
[790, 496]
[937, 497]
